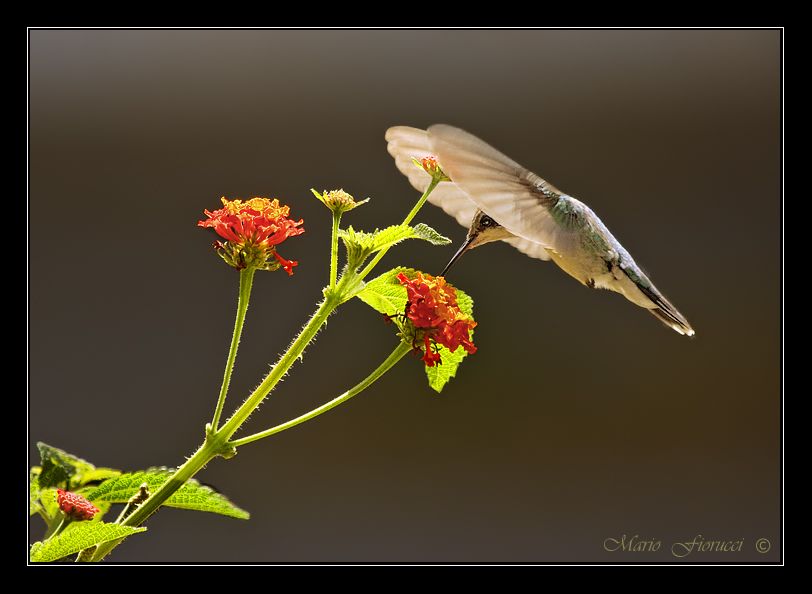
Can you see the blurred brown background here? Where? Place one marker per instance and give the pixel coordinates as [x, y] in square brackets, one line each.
[581, 418]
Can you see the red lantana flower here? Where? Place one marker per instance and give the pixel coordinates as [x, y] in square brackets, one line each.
[252, 230]
[433, 310]
[75, 506]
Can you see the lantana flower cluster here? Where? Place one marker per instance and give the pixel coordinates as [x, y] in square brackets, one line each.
[433, 311]
[252, 230]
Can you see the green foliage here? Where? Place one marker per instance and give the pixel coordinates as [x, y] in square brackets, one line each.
[66, 471]
[47, 499]
[76, 537]
[386, 295]
[33, 491]
[439, 375]
[426, 233]
[192, 495]
[61, 469]
[361, 245]
[98, 475]
[466, 303]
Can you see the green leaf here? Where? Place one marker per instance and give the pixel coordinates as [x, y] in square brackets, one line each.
[466, 303]
[78, 536]
[47, 499]
[386, 295]
[192, 495]
[360, 244]
[98, 475]
[439, 375]
[397, 233]
[33, 491]
[426, 233]
[61, 469]
[389, 236]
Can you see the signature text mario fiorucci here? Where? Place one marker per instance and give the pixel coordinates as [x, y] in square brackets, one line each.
[680, 549]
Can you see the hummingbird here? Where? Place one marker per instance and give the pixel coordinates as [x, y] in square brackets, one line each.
[498, 199]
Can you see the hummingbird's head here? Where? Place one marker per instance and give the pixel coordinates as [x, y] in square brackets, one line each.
[483, 230]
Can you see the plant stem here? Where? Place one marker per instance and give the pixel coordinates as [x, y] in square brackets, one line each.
[334, 249]
[413, 213]
[279, 370]
[246, 281]
[390, 361]
[406, 221]
[207, 452]
[57, 528]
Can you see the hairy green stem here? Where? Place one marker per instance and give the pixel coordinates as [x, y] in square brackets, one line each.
[207, 452]
[246, 281]
[334, 249]
[416, 209]
[412, 214]
[279, 370]
[390, 361]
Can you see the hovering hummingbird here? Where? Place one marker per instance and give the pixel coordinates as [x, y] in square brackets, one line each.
[496, 198]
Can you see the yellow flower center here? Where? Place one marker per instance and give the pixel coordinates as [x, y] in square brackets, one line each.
[269, 208]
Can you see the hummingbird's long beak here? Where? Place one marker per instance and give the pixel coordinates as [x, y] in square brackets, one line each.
[463, 248]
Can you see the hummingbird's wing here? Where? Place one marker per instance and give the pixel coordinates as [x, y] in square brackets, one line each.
[529, 248]
[517, 198]
[406, 143]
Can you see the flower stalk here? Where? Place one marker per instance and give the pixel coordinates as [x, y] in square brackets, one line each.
[339, 202]
[246, 282]
[334, 249]
[412, 214]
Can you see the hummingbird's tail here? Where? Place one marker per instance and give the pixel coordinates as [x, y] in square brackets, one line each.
[673, 319]
[665, 312]
[651, 299]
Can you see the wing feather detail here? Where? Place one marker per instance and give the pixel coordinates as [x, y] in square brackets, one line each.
[510, 194]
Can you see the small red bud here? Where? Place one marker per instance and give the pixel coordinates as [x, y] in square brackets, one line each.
[75, 506]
